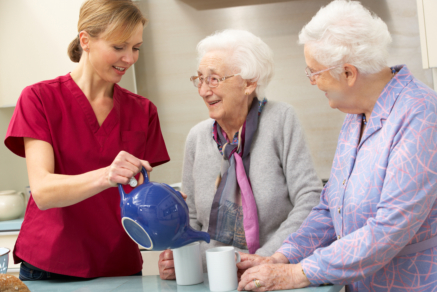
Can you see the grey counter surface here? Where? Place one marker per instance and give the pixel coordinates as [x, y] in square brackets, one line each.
[138, 283]
[11, 225]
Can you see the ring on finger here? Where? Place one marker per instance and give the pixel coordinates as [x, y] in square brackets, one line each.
[133, 182]
[257, 284]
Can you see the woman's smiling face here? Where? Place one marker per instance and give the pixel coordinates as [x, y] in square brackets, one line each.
[111, 60]
[227, 101]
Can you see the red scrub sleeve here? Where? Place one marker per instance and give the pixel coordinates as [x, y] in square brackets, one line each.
[29, 120]
[156, 152]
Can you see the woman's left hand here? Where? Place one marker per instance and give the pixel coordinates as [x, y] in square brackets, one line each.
[184, 196]
[250, 260]
[273, 277]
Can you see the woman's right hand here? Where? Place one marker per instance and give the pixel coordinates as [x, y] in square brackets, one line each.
[123, 168]
[166, 265]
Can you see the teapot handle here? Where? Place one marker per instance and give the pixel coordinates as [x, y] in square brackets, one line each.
[146, 177]
[146, 180]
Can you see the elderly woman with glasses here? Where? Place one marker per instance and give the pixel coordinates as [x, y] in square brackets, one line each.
[375, 226]
[247, 171]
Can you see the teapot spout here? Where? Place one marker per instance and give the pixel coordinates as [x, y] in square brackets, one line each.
[190, 236]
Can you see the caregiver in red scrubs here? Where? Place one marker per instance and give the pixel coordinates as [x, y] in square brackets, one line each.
[82, 134]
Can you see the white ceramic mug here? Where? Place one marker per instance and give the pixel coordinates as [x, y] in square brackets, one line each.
[4, 260]
[222, 268]
[188, 264]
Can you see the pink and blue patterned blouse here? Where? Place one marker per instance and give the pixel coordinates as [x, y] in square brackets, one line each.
[381, 196]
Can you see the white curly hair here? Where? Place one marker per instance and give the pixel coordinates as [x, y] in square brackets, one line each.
[346, 32]
[249, 55]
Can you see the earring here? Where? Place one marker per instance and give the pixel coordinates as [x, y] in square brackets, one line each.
[247, 93]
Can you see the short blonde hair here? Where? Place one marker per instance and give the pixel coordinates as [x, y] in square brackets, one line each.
[113, 20]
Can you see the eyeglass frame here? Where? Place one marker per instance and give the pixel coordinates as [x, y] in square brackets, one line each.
[310, 76]
[193, 78]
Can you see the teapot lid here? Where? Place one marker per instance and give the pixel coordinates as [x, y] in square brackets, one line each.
[8, 192]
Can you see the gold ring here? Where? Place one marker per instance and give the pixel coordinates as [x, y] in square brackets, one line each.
[257, 284]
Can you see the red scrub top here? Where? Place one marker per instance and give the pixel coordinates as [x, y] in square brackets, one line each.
[85, 239]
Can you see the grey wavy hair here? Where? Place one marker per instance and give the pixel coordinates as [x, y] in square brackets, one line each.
[249, 55]
[345, 32]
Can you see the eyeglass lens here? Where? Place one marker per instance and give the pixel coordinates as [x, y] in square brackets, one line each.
[309, 74]
[210, 81]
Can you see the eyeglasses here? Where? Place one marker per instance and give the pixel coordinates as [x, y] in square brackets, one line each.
[211, 81]
[311, 75]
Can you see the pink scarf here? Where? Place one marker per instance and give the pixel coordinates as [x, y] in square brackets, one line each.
[234, 214]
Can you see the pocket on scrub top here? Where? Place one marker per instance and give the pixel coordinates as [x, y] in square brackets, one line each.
[134, 142]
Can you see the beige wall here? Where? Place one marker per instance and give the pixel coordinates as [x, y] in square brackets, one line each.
[13, 172]
[168, 58]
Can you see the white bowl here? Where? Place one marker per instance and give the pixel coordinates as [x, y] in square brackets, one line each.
[4, 259]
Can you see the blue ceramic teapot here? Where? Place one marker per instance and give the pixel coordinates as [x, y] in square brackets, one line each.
[156, 216]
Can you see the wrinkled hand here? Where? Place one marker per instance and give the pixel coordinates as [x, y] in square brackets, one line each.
[251, 260]
[166, 265]
[273, 277]
[123, 168]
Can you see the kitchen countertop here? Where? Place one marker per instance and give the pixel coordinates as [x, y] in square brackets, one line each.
[138, 283]
[11, 225]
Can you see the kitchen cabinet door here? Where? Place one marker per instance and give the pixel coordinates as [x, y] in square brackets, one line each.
[427, 15]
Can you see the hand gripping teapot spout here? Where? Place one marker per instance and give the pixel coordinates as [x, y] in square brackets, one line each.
[156, 216]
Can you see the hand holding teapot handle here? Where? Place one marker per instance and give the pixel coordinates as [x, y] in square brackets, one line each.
[124, 167]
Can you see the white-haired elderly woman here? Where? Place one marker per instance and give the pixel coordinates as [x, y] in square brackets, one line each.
[247, 170]
[375, 226]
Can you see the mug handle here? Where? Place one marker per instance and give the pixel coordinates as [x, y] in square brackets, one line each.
[238, 256]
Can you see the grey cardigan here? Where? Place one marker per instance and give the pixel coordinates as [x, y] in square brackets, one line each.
[283, 179]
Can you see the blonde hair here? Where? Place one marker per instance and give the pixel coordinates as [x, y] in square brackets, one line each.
[112, 20]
